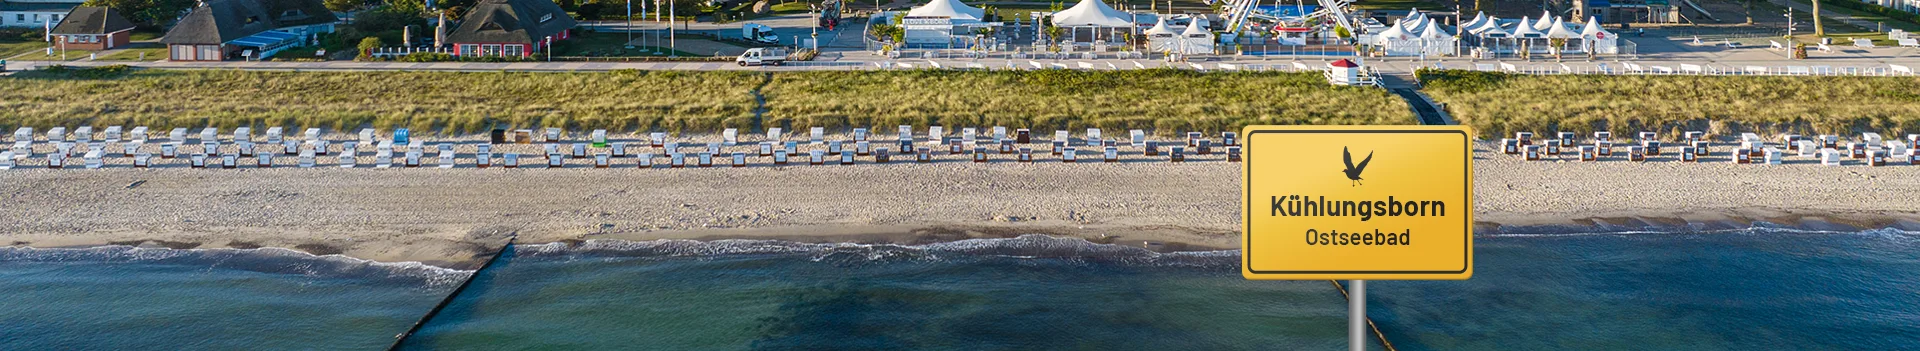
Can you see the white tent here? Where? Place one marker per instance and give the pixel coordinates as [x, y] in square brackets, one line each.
[1542, 23]
[1433, 31]
[1092, 13]
[1525, 29]
[1475, 23]
[1196, 39]
[1599, 40]
[1558, 29]
[952, 9]
[1394, 32]
[1161, 38]
[1490, 28]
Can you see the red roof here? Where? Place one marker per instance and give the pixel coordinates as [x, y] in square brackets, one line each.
[1344, 63]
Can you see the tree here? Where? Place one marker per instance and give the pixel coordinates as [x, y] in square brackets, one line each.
[342, 5]
[367, 45]
[1818, 31]
[149, 13]
[590, 11]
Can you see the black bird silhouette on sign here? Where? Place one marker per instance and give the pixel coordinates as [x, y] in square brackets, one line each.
[1353, 172]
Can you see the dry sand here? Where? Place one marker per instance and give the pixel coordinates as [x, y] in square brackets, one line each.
[449, 216]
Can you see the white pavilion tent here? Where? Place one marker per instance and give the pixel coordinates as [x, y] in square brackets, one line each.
[952, 9]
[1599, 40]
[935, 23]
[1162, 38]
[1196, 40]
[1094, 16]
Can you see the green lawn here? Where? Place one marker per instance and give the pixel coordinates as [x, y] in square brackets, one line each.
[8, 48]
[1891, 23]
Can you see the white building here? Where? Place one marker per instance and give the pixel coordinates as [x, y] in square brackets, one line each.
[34, 13]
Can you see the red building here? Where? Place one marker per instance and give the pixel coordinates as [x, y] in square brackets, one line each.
[510, 28]
[93, 28]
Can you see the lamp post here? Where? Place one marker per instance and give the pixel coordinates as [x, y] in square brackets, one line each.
[630, 23]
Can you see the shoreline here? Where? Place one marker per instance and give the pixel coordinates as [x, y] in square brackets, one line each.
[448, 217]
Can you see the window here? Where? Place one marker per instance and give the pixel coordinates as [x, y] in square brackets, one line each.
[514, 50]
[469, 49]
[20, 18]
[490, 50]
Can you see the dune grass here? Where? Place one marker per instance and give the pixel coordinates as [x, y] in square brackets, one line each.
[683, 102]
[1165, 101]
[1497, 104]
[449, 103]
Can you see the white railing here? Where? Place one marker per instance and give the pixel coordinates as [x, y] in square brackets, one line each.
[1711, 69]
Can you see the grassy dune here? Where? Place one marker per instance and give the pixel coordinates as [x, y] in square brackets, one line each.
[464, 103]
[1497, 104]
[1166, 101]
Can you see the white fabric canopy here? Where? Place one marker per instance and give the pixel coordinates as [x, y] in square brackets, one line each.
[1593, 30]
[1489, 27]
[1525, 29]
[1542, 24]
[1196, 39]
[952, 9]
[1161, 38]
[1433, 31]
[1092, 13]
[1481, 17]
[1559, 30]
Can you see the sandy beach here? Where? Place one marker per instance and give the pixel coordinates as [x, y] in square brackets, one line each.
[449, 216]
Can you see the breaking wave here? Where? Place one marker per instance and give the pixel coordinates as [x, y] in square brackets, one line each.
[1031, 246]
[265, 260]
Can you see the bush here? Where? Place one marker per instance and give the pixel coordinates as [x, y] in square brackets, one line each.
[426, 57]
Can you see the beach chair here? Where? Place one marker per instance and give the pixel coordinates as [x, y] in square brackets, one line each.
[83, 134]
[263, 160]
[705, 159]
[1742, 156]
[923, 155]
[776, 134]
[141, 160]
[1137, 137]
[979, 154]
[1151, 148]
[599, 137]
[880, 155]
[859, 134]
[1688, 154]
[1871, 138]
[1588, 153]
[554, 160]
[481, 160]
[969, 136]
[169, 150]
[602, 160]
[1110, 154]
[23, 134]
[1552, 148]
[1652, 147]
[1177, 154]
[1532, 152]
[92, 160]
[1598, 136]
[1204, 147]
[273, 135]
[1059, 146]
[618, 149]
[384, 159]
[320, 147]
[1636, 153]
[644, 160]
[846, 159]
[1830, 157]
[131, 148]
[1023, 136]
[1069, 155]
[936, 135]
[229, 161]
[792, 147]
[1771, 156]
[1006, 147]
[1828, 141]
[1024, 155]
[552, 134]
[510, 161]
[1094, 137]
[816, 157]
[1233, 154]
[833, 147]
[766, 149]
[1193, 139]
[524, 136]
[178, 135]
[815, 135]
[111, 134]
[1877, 158]
[412, 159]
[1510, 146]
[1525, 138]
[862, 148]
[999, 133]
[137, 134]
[59, 160]
[348, 161]
[312, 134]
[578, 150]
[195, 161]
[1229, 139]
[369, 136]
[1603, 148]
[1807, 148]
[445, 160]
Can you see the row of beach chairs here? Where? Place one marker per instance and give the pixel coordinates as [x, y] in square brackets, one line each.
[212, 153]
[1870, 148]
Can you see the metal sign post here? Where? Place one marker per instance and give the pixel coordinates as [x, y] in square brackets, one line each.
[1357, 315]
